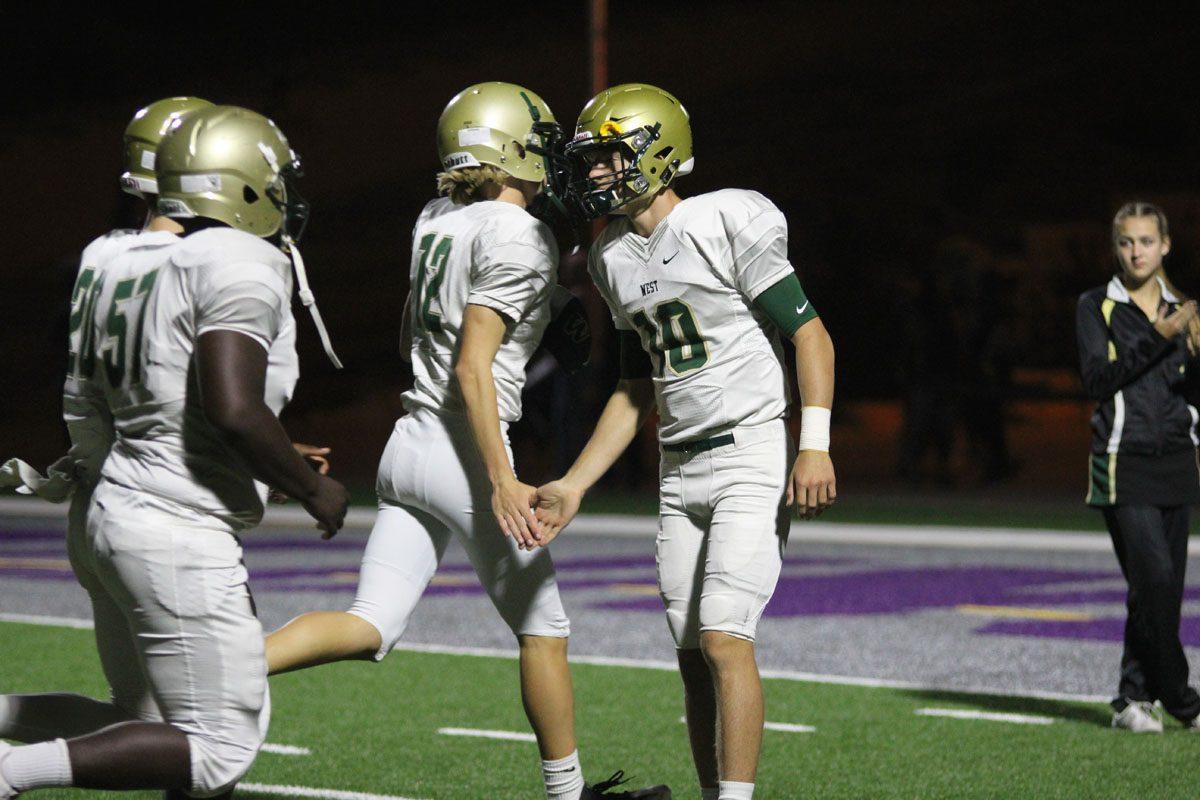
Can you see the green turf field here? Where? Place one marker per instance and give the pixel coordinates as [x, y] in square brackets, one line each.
[373, 728]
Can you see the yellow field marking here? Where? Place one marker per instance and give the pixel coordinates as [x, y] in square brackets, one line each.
[647, 589]
[1017, 612]
[454, 580]
[343, 577]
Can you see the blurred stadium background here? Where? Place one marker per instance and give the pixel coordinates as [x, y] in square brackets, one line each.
[948, 172]
[948, 176]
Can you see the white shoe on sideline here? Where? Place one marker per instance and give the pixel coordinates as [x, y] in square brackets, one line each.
[1139, 716]
[6, 791]
[1193, 726]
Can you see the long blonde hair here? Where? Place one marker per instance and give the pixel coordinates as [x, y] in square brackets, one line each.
[465, 186]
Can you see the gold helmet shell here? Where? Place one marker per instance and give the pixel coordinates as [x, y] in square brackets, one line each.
[232, 165]
[655, 133]
[491, 123]
[142, 135]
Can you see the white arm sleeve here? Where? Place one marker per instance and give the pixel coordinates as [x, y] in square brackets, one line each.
[758, 240]
[248, 298]
[514, 276]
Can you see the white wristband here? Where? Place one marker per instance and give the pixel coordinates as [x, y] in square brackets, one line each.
[814, 428]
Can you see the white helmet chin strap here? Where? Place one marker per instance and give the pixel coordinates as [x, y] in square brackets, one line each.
[309, 301]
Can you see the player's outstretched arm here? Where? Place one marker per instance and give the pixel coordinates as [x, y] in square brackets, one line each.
[512, 501]
[813, 485]
[232, 370]
[624, 414]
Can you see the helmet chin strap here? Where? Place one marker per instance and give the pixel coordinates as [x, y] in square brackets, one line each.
[307, 298]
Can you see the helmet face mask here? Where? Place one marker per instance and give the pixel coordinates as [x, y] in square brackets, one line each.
[640, 135]
[624, 181]
[284, 194]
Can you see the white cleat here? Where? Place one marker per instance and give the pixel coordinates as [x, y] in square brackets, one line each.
[1139, 716]
[1193, 726]
[6, 791]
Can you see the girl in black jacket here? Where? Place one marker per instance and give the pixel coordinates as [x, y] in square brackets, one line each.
[1144, 473]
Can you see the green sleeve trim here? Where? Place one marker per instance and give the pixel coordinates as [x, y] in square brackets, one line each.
[785, 304]
[635, 361]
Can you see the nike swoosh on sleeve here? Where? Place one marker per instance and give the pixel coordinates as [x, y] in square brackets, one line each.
[800, 309]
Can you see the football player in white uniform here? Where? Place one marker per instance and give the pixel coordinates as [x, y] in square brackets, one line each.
[700, 289]
[185, 347]
[31, 718]
[482, 273]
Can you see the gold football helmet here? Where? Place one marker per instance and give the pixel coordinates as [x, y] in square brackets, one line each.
[142, 135]
[650, 131]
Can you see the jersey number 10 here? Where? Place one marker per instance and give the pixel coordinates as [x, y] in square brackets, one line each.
[676, 339]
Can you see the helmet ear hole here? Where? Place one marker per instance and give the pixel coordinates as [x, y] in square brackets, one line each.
[664, 153]
[249, 195]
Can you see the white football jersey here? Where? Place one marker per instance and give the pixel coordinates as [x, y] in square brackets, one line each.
[488, 253]
[689, 292]
[85, 411]
[147, 309]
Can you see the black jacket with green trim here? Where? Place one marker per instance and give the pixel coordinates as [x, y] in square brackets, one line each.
[1138, 378]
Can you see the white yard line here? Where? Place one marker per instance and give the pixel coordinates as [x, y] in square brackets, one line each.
[787, 727]
[944, 536]
[508, 736]
[782, 727]
[991, 716]
[285, 749]
[669, 666]
[49, 622]
[310, 791]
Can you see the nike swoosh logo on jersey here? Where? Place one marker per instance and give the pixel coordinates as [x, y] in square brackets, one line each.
[668, 260]
[800, 309]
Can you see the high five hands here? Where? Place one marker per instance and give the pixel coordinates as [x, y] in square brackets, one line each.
[534, 517]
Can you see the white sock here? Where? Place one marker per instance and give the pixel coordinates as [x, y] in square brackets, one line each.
[732, 790]
[38, 766]
[564, 778]
[710, 793]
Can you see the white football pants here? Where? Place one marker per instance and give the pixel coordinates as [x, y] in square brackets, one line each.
[174, 613]
[432, 486]
[722, 529]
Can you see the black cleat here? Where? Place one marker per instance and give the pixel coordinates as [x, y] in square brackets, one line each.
[601, 790]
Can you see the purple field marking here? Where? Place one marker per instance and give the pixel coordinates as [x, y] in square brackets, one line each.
[33, 552]
[1106, 629]
[33, 534]
[896, 591]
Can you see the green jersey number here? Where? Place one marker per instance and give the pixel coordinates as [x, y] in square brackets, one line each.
[129, 299]
[433, 259]
[82, 359]
[676, 338]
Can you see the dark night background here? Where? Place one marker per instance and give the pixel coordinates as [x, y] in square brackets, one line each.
[948, 172]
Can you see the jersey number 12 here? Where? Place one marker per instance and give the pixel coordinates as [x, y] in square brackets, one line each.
[433, 259]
